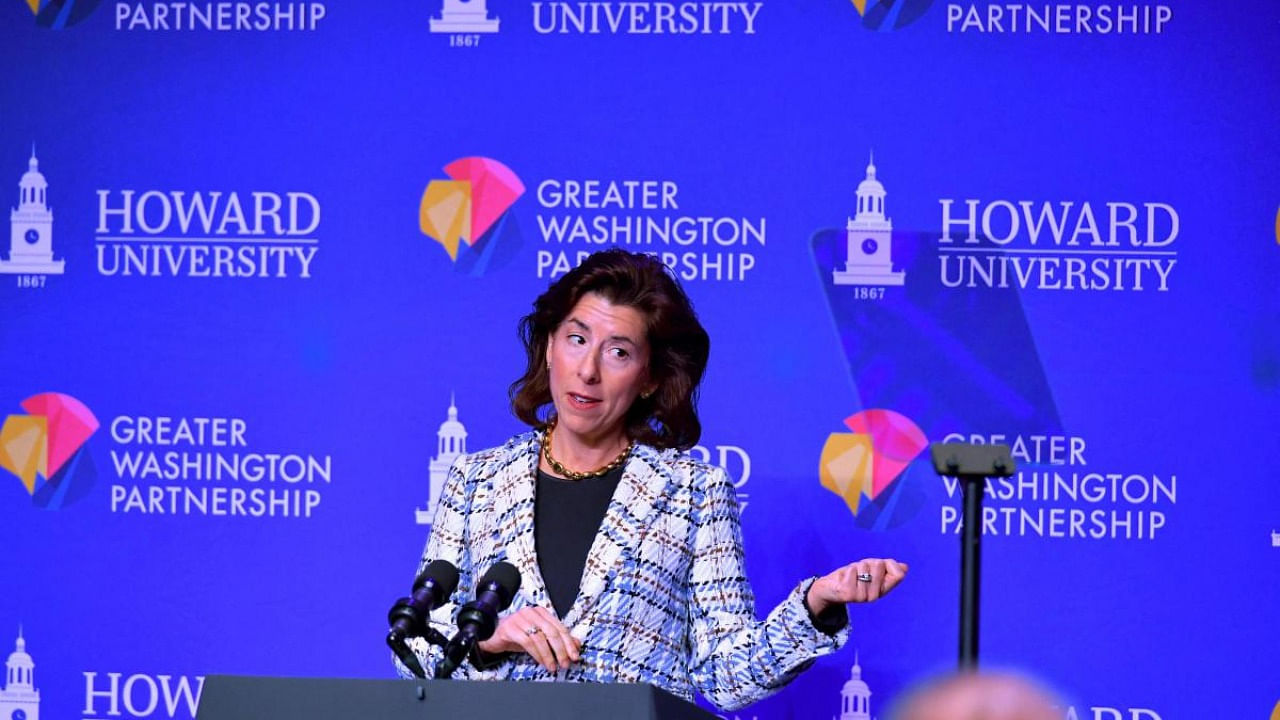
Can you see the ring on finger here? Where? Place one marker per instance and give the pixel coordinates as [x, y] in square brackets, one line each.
[532, 630]
[864, 577]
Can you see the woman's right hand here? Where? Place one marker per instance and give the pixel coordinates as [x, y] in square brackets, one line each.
[539, 633]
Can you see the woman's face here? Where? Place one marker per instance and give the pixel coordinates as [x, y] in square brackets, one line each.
[599, 359]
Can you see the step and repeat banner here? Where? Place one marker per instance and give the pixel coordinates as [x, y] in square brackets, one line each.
[265, 262]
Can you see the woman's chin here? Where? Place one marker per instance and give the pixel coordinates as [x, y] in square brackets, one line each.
[583, 424]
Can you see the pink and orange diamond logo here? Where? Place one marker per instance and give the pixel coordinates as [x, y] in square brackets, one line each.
[42, 448]
[865, 467]
[465, 208]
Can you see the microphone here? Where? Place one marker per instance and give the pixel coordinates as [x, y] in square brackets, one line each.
[479, 618]
[408, 617]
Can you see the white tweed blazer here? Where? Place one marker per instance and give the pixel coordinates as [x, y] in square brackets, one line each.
[664, 598]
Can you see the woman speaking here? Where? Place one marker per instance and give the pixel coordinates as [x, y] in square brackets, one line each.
[630, 550]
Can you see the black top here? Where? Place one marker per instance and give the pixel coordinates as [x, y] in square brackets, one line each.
[567, 515]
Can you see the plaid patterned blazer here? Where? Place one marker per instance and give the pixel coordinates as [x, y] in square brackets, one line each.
[664, 598]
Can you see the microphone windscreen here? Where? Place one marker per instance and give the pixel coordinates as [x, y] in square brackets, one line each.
[444, 574]
[507, 578]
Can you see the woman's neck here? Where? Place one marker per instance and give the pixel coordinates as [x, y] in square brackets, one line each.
[583, 454]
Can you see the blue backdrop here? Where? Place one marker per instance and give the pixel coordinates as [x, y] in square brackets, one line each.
[241, 291]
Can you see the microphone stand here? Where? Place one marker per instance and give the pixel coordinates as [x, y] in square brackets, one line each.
[455, 652]
[476, 621]
[406, 624]
[972, 465]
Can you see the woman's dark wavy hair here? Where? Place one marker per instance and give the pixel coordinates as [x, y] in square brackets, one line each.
[678, 345]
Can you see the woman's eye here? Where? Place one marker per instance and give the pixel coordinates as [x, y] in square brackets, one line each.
[620, 353]
[577, 339]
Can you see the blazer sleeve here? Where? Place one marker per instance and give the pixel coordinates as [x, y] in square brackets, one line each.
[736, 659]
[449, 541]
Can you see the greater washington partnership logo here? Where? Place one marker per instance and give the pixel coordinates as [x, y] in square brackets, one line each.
[209, 466]
[1058, 493]
[195, 15]
[993, 17]
[44, 449]
[471, 208]
[159, 465]
[868, 467]
[470, 215]
[578, 216]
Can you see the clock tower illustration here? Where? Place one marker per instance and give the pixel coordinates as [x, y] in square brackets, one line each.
[870, 235]
[452, 438]
[31, 229]
[464, 16]
[19, 700]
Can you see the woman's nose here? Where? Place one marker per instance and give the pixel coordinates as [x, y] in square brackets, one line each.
[589, 368]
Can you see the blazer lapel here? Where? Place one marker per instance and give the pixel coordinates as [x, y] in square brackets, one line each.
[642, 487]
[514, 506]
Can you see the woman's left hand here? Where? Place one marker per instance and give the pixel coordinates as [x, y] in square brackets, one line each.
[879, 576]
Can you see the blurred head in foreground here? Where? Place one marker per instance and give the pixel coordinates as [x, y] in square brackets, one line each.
[977, 696]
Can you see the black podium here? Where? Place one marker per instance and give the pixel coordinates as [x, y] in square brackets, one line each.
[231, 697]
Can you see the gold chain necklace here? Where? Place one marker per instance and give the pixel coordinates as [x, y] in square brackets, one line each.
[574, 474]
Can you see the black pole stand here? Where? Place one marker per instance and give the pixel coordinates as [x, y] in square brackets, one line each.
[971, 465]
[970, 570]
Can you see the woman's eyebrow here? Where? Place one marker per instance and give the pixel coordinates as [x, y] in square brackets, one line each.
[587, 328]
